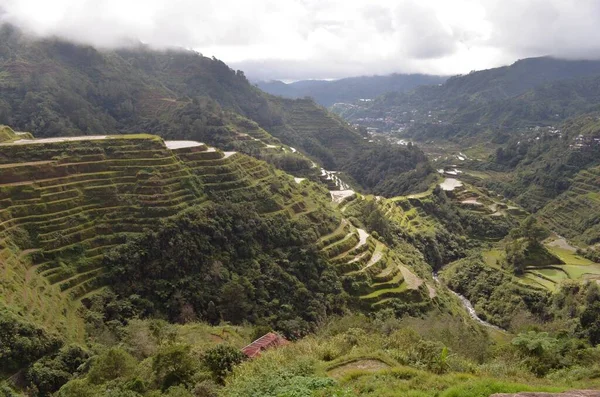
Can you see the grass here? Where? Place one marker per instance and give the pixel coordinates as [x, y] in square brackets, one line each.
[569, 257]
[389, 292]
[575, 267]
[493, 257]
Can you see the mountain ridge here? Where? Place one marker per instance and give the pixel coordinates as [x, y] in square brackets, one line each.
[350, 89]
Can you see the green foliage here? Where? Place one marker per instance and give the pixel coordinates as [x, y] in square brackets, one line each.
[113, 364]
[178, 391]
[524, 247]
[7, 391]
[390, 170]
[6, 134]
[542, 353]
[496, 295]
[174, 365]
[253, 268]
[22, 342]
[221, 360]
[78, 388]
[49, 374]
[531, 230]
[590, 321]
[487, 387]
[182, 95]
[515, 256]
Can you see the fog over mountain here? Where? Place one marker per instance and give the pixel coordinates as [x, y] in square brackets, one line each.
[293, 39]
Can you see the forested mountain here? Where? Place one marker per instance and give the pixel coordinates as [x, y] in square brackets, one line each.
[52, 87]
[530, 92]
[555, 171]
[351, 89]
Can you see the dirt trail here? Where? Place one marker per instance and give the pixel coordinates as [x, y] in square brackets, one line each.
[52, 140]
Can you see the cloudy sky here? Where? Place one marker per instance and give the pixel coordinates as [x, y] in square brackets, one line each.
[300, 39]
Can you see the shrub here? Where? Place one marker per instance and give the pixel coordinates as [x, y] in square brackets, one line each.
[22, 343]
[115, 363]
[206, 388]
[221, 360]
[178, 391]
[49, 374]
[7, 391]
[174, 365]
[78, 388]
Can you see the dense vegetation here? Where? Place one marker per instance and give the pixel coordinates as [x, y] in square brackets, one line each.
[226, 263]
[350, 356]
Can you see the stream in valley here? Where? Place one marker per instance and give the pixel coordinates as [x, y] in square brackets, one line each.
[469, 306]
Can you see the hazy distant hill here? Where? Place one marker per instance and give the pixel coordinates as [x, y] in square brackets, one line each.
[535, 91]
[350, 89]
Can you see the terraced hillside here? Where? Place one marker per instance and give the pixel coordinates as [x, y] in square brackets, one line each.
[64, 203]
[374, 273]
[576, 212]
[317, 132]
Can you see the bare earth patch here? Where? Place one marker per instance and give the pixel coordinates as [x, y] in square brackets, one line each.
[450, 184]
[337, 196]
[432, 291]
[361, 365]
[181, 144]
[52, 140]
[412, 281]
[561, 242]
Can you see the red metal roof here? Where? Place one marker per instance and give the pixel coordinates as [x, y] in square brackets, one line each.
[265, 342]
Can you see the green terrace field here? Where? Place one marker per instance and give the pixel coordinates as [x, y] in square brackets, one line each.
[576, 212]
[575, 267]
[370, 271]
[66, 202]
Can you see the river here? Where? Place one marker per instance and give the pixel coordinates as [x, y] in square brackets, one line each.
[467, 305]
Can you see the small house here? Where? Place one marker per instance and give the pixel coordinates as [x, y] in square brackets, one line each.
[267, 341]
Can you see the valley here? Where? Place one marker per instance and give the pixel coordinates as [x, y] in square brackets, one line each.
[159, 213]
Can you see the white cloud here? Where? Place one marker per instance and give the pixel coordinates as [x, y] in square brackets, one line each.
[293, 39]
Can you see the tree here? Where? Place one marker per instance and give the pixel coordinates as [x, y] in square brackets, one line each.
[515, 256]
[174, 365]
[113, 364]
[212, 315]
[531, 230]
[235, 304]
[221, 360]
[590, 322]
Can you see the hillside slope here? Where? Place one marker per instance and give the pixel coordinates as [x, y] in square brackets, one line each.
[143, 217]
[66, 203]
[51, 88]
